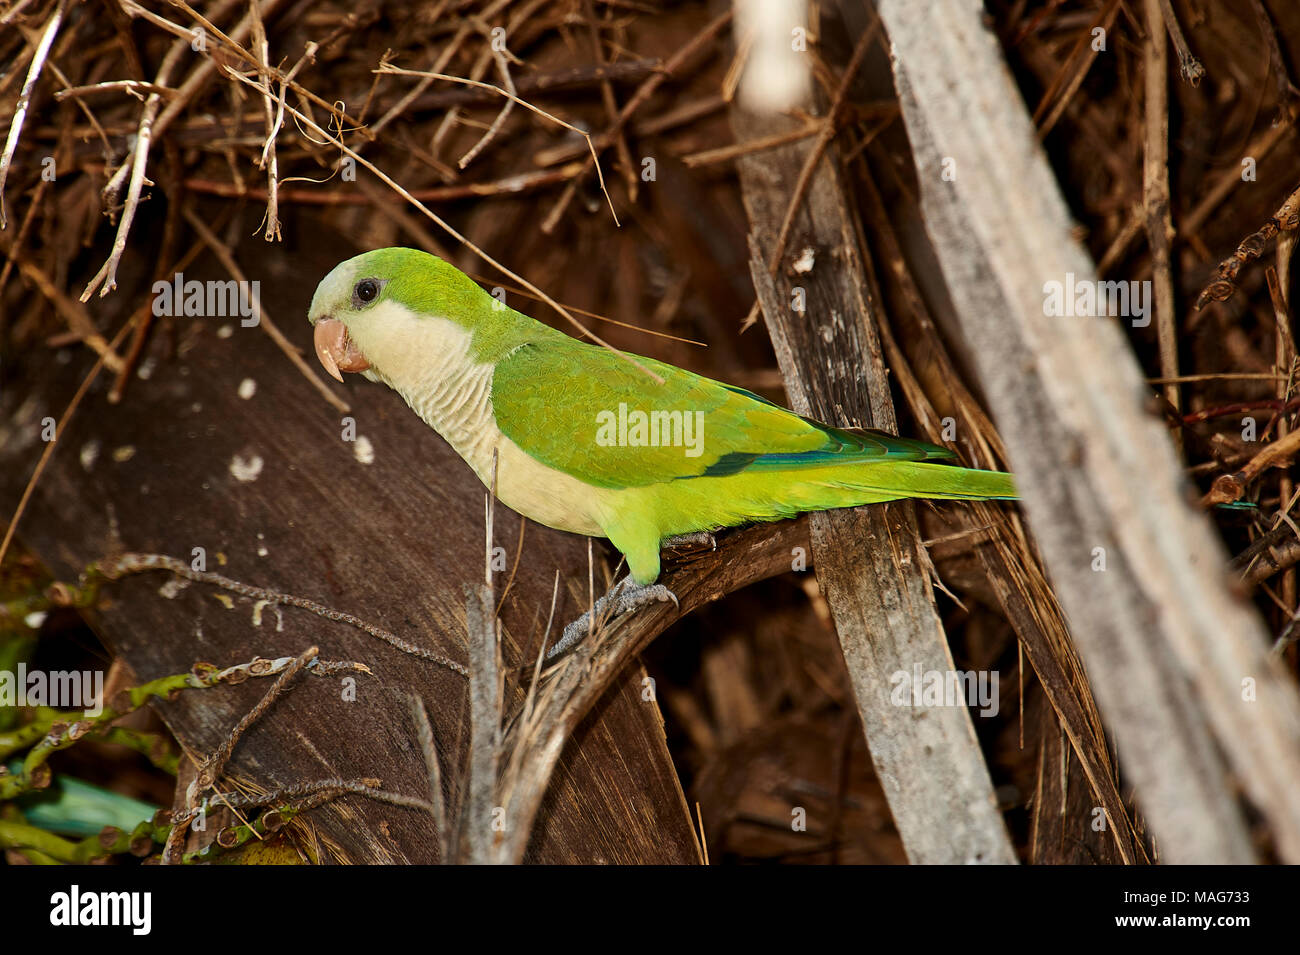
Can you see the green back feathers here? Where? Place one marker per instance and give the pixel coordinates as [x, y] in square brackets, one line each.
[592, 414]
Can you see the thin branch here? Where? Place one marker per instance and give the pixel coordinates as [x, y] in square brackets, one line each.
[512, 97]
[503, 67]
[135, 87]
[215, 765]
[269, 160]
[106, 278]
[1155, 198]
[508, 186]
[25, 97]
[429, 750]
[1189, 67]
[132, 563]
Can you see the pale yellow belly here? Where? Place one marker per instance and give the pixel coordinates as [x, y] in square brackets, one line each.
[545, 495]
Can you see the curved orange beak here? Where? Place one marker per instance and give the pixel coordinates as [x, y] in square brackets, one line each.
[335, 349]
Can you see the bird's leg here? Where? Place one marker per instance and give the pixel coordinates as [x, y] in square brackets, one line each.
[624, 597]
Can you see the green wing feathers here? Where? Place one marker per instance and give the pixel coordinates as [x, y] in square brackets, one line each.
[583, 421]
[731, 433]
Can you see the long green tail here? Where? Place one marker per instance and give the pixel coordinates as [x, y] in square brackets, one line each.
[922, 479]
[649, 514]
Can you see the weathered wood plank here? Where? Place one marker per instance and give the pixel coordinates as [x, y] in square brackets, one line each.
[868, 559]
[1169, 649]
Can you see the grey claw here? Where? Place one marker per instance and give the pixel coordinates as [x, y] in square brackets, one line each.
[624, 597]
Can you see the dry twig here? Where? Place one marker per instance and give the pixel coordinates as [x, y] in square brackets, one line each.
[24, 98]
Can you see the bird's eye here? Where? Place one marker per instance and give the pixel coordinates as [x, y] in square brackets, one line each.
[366, 291]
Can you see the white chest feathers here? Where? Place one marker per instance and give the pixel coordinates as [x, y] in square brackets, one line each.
[427, 361]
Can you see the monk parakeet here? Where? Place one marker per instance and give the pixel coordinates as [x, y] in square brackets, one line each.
[585, 440]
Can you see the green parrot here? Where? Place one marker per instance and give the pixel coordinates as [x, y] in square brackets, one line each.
[587, 442]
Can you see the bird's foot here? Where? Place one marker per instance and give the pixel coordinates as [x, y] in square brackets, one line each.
[624, 597]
